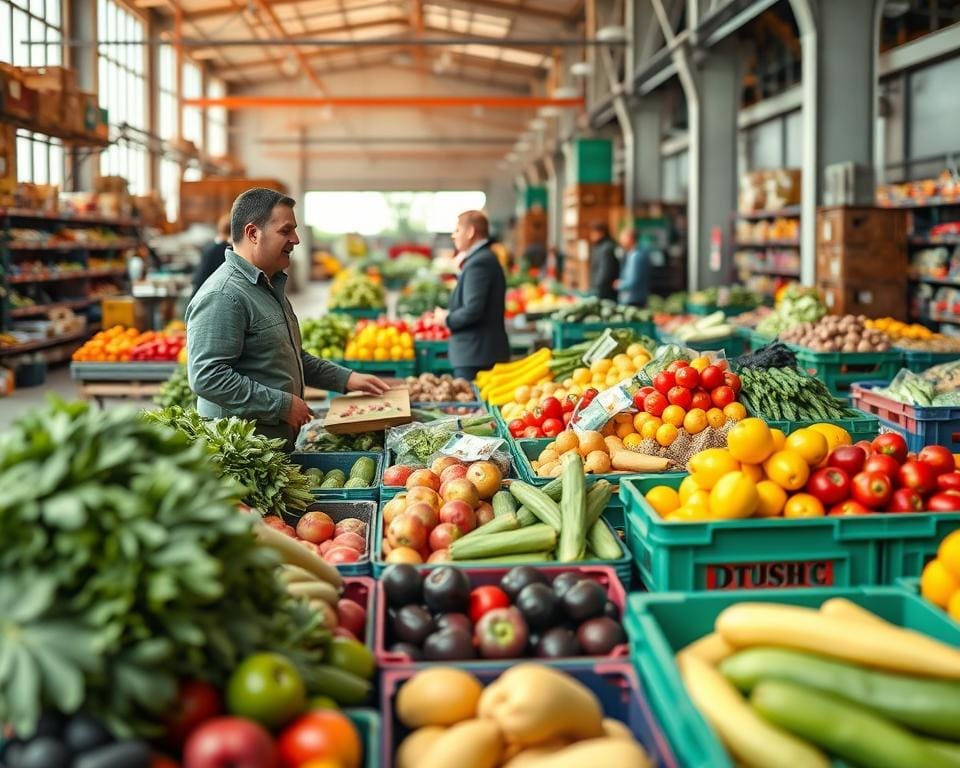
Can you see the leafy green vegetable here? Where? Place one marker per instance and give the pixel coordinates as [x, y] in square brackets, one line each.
[176, 391]
[273, 483]
[126, 567]
[314, 438]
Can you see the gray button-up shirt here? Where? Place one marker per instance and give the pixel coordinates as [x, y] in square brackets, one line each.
[244, 347]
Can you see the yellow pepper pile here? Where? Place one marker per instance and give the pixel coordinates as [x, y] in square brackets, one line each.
[497, 386]
[896, 329]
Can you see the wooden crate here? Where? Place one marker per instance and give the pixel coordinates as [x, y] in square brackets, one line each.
[854, 225]
[865, 298]
[879, 263]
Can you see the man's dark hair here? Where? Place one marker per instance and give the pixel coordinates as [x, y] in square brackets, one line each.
[254, 207]
[600, 227]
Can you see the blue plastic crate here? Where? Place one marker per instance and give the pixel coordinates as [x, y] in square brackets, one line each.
[340, 510]
[369, 725]
[659, 625]
[616, 684]
[939, 425]
[343, 461]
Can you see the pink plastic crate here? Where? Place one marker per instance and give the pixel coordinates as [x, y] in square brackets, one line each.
[479, 577]
[363, 591]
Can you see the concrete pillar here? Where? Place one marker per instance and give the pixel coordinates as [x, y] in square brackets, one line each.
[713, 180]
[84, 165]
[647, 117]
[556, 172]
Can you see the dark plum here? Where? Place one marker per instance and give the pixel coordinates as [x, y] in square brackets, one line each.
[564, 581]
[611, 611]
[402, 584]
[599, 636]
[539, 606]
[408, 649]
[517, 578]
[450, 644]
[454, 621]
[413, 624]
[584, 600]
[447, 590]
[558, 643]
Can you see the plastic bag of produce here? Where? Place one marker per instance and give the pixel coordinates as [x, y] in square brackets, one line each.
[314, 438]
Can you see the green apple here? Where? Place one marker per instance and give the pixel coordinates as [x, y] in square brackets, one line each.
[268, 689]
[322, 702]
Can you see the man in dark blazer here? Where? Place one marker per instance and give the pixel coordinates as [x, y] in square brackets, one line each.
[604, 265]
[476, 309]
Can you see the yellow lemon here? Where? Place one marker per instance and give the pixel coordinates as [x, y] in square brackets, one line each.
[712, 464]
[735, 411]
[650, 427]
[779, 439]
[666, 434]
[715, 418]
[663, 499]
[695, 421]
[810, 444]
[788, 469]
[753, 471]
[698, 499]
[687, 488]
[734, 497]
[937, 584]
[772, 499]
[750, 441]
[949, 553]
[836, 436]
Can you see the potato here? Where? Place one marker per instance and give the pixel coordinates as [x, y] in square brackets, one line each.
[440, 696]
[471, 744]
[412, 749]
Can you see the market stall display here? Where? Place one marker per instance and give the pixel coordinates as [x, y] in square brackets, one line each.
[357, 295]
[339, 532]
[534, 299]
[175, 391]
[430, 388]
[326, 337]
[940, 579]
[119, 344]
[314, 438]
[795, 305]
[423, 295]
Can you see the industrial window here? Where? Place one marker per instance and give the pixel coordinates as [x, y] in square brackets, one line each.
[192, 116]
[123, 91]
[167, 107]
[217, 144]
[23, 23]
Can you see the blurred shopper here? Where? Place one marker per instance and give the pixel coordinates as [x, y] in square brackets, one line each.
[212, 255]
[245, 353]
[604, 267]
[635, 279]
[476, 310]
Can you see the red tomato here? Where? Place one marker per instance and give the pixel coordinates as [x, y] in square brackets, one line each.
[654, 404]
[722, 396]
[551, 408]
[732, 381]
[516, 427]
[647, 391]
[688, 377]
[711, 377]
[676, 365]
[320, 734]
[937, 457]
[831, 485]
[664, 381]
[196, 703]
[848, 508]
[881, 462]
[701, 399]
[945, 501]
[680, 396]
[949, 481]
[906, 500]
[918, 477]
[553, 427]
[866, 445]
[591, 393]
[872, 489]
[533, 418]
[849, 458]
[569, 403]
[638, 399]
[891, 444]
[567, 416]
[532, 433]
[486, 598]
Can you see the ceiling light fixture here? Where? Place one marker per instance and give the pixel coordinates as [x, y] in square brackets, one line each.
[537, 124]
[581, 69]
[612, 34]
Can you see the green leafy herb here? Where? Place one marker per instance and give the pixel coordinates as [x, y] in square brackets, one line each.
[176, 391]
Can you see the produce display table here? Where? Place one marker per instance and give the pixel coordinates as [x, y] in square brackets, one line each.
[134, 381]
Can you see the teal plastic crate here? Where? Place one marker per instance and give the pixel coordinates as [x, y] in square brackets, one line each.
[861, 427]
[839, 370]
[757, 340]
[659, 625]
[568, 334]
[918, 361]
[920, 426]
[360, 314]
[432, 357]
[732, 345]
[702, 310]
[920, 535]
[756, 553]
[343, 461]
[369, 725]
[390, 369]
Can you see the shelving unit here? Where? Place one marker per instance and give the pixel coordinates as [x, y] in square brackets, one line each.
[927, 295]
[765, 264]
[44, 280]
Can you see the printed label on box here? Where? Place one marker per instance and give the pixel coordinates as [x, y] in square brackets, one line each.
[778, 574]
[470, 447]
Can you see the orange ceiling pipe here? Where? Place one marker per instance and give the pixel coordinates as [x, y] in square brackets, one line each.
[390, 102]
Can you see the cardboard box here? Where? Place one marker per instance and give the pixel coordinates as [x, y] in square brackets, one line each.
[8, 163]
[50, 110]
[354, 413]
[868, 299]
[73, 113]
[58, 79]
[125, 311]
[860, 225]
[16, 99]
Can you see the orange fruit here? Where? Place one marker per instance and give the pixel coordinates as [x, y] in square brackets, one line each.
[632, 441]
[772, 499]
[735, 411]
[803, 505]
[949, 554]
[673, 414]
[695, 421]
[937, 584]
[715, 418]
[750, 441]
[788, 469]
[624, 429]
[666, 434]
[639, 419]
[712, 464]
[810, 444]
[688, 514]
[753, 471]
[779, 439]
[688, 486]
[663, 499]
[650, 427]
[699, 363]
[734, 497]
[953, 607]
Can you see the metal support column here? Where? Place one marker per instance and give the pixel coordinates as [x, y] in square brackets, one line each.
[84, 164]
[647, 117]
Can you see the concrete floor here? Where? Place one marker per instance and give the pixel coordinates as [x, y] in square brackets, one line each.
[310, 302]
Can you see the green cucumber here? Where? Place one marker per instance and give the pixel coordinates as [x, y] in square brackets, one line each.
[364, 468]
[533, 538]
[356, 482]
[500, 524]
[538, 502]
[604, 542]
[573, 510]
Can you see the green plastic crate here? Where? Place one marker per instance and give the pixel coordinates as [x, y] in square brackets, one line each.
[659, 625]
[432, 357]
[757, 553]
[568, 334]
[390, 369]
[368, 723]
[919, 536]
[344, 461]
[862, 427]
[839, 370]
[732, 346]
[918, 360]
[592, 161]
[702, 310]
[360, 314]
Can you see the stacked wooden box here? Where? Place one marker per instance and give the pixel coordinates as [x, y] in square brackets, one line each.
[583, 204]
[862, 260]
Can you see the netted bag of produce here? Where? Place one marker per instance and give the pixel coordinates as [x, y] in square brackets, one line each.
[671, 353]
[313, 438]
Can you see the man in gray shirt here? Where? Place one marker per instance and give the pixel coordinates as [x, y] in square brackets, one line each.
[243, 339]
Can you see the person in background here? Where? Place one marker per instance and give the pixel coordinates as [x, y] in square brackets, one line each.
[245, 356]
[635, 280]
[604, 267]
[212, 255]
[478, 336]
[502, 254]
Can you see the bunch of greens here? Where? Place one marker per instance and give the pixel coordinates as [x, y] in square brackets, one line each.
[176, 391]
[273, 483]
[313, 438]
[423, 295]
[668, 305]
[126, 567]
[796, 305]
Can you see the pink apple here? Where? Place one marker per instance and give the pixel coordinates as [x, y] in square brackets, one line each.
[462, 489]
[425, 478]
[441, 463]
[484, 513]
[443, 536]
[460, 514]
[351, 525]
[326, 547]
[427, 514]
[396, 475]
[352, 540]
[407, 531]
[338, 555]
[315, 526]
[439, 556]
[352, 616]
[393, 508]
[426, 495]
[230, 742]
[452, 473]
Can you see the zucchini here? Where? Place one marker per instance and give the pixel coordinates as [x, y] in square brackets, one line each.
[525, 517]
[554, 488]
[503, 504]
[597, 499]
[522, 557]
[364, 468]
[356, 482]
[538, 502]
[533, 538]
[573, 510]
[334, 479]
[500, 524]
[604, 542]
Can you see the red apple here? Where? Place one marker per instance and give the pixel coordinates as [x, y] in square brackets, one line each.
[945, 501]
[338, 555]
[906, 500]
[352, 540]
[443, 536]
[949, 481]
[352, 616]
[393, 508]
[848, 507]
[453, 472]
[230, 742]
[326, 547]
[884, 464]
[460, 514]
[866, 445]
[439, 556]
[461, 489]
[315, 526]
[274, 522]
[891, 444]
[484, 513]
[441, 463]
[918, 476]
[289, 530]
[849, 458]
[351, 525]
[426, 495]
[397, 475]
[938, 457]
[427, 514]
[407, 531]
[424, 478]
